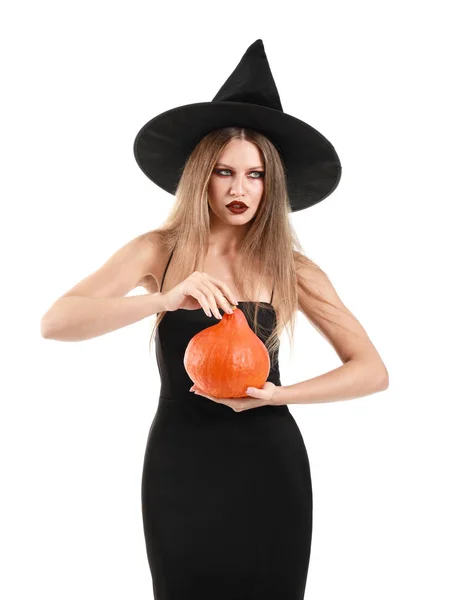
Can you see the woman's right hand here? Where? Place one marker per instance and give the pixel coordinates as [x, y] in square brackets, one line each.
[200, 290]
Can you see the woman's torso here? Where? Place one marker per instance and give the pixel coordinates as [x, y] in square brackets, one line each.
[219, 267]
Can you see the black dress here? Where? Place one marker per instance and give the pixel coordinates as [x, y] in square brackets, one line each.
[226, 496]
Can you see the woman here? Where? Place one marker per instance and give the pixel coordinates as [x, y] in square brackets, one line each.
[226, 487]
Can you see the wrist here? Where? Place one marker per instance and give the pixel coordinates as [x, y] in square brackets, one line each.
[278, 396]
[160, 296]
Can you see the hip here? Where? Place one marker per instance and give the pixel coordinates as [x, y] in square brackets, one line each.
[210, 437]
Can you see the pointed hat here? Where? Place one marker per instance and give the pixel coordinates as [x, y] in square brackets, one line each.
[248, 98]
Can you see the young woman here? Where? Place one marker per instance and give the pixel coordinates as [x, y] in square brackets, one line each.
[226, 488]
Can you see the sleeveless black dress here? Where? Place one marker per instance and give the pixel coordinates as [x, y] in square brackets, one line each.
[226, 496]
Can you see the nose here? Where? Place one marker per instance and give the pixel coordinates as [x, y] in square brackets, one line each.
[237, 186]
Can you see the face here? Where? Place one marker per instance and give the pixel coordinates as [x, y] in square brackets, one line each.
[237, 175]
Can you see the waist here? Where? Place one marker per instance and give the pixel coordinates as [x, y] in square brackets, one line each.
[193, 400]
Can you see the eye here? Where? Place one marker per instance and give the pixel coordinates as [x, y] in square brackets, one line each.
[260, 174]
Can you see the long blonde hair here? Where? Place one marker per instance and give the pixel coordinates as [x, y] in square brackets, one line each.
[270, 251]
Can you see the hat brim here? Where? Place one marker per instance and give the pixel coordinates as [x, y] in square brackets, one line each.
[163, 144]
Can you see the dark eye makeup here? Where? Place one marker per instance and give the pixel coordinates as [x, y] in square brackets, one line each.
[220, 171]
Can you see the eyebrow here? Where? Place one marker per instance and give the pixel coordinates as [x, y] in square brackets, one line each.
[229, 167]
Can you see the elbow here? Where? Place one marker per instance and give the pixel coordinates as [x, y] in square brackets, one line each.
[375, 374]
[383, 378]
[384, 384]
[45, 331]
[47, 328]
[50, 322]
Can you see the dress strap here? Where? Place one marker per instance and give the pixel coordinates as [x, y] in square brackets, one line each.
[166, 268]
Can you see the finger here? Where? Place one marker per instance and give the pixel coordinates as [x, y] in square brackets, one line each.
[200, 393]
[201, 298]
[224, 289]
[217, 295]
[211, 298]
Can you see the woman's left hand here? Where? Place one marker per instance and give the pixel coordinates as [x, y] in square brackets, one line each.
[256, 397]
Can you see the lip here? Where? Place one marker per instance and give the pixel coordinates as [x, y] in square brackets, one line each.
[237, 211]
[242, 204]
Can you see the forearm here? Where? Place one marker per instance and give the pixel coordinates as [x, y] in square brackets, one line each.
[353, 379]
[77, 318]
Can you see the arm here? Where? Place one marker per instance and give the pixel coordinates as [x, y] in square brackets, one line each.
[362, 372]
[97, 304]
[77, 318]
[354, 379]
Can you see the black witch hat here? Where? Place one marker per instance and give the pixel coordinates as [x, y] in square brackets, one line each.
[249, 98]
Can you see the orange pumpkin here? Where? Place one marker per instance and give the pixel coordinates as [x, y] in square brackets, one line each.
[227, 358]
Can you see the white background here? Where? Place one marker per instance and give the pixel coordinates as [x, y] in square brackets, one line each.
[79, 80]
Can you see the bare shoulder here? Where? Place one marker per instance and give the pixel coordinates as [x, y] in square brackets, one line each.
[319, 301]
[310, 273]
